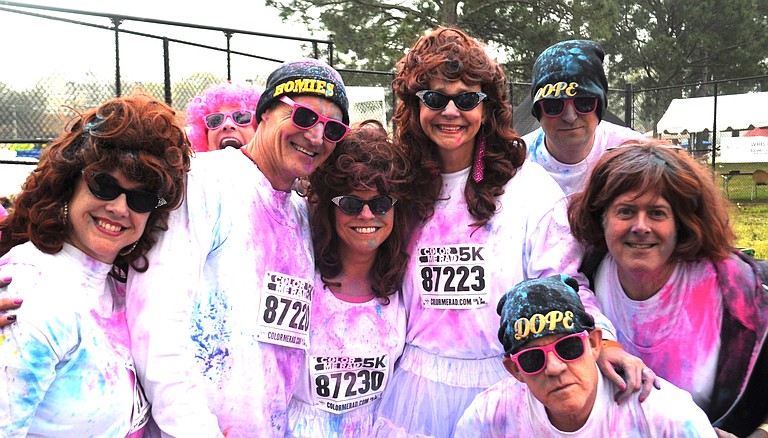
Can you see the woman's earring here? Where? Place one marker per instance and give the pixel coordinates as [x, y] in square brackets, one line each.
[479, 168]
[65, 213]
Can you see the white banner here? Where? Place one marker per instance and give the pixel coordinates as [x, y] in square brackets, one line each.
[743, 150]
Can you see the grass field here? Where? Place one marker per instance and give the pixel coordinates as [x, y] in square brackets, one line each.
[751, 225]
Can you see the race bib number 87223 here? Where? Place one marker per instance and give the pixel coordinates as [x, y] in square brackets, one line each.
[452, 276]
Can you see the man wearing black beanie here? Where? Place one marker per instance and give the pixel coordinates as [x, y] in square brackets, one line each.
[570, 94]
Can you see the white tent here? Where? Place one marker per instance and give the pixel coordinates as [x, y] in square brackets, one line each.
[734, 112]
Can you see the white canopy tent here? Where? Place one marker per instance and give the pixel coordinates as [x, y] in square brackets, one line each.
[734, 112]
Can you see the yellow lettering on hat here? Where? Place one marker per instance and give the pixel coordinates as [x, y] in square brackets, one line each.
[558, 90]
[538, 322]
[305, 86]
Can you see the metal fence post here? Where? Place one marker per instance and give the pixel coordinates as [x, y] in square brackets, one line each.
[167, 72]
[628, 108]
[116, 22]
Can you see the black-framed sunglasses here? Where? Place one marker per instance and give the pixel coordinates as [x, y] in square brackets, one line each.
[555, 107]
[465, 101]
[352, 205]
[240, 118]
[568, 349]
[105, 187]
[304, 117]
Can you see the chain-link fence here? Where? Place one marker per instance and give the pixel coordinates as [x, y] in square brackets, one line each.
[93, 57]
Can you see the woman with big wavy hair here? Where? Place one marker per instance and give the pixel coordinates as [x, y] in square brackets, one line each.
[91, 209]
[490, 221]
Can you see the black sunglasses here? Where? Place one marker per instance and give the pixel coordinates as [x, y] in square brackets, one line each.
[568, 348]
[436, 100]
[555, 107]
[105, 187]
[304, 117]
[215, 120]
[352, 205]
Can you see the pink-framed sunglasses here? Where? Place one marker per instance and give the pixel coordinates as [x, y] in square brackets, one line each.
[568, 348]
[239, 118]
[304, 117]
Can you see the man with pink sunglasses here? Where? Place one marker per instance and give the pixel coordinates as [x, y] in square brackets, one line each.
[551, 345]
[570, 94]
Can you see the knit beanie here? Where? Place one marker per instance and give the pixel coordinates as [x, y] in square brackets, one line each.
[304, 77]
[569, 69]
[541, 307]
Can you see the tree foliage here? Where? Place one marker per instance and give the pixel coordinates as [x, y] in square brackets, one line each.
[649, 42]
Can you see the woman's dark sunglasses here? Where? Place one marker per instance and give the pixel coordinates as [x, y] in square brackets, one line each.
[104, 187]
[304, 117]
[533, 360]
[352, 205]
[555, 107]
[436, 100]
[240, 118]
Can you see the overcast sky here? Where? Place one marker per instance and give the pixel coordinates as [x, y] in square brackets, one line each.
[41, 44]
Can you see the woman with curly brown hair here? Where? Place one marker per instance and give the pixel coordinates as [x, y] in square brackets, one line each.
[665, 272]
[360, 210]
[91, 209]
[491, 220]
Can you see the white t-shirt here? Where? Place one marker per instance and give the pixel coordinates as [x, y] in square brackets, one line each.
[573, 177]
[687, 311]
[353, 350]
[508, 409]
[220, 320]
[66, 368]
[456, 274]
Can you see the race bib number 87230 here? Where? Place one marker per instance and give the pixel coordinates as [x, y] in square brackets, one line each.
[452, 276]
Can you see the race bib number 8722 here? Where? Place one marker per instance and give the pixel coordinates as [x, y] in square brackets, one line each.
[284, 310]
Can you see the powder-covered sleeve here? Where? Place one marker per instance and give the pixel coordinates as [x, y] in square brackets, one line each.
[31, 350]
[553, 250]
[159, 306]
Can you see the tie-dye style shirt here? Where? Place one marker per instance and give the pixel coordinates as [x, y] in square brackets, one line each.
[232, 276]
[457, 274]
[508, 409]
[572, 177]
[687, 310]
[66, 365]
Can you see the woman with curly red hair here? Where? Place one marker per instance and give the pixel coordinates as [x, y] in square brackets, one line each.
[491, 220]
[91, 210]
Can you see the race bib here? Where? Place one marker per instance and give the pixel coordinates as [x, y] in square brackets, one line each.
[141, 405]
[284, 310]
[452, 277]
[342, 384]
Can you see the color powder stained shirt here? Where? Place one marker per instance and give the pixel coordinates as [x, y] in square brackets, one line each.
[572, 177]
[354, 348]
[219, 321]
[508, 409]
[66, 367]
[456, 274]
[688, 310]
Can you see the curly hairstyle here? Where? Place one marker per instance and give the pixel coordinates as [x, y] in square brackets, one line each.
[700, 210]
[365, 160]
[450, 54]
[139, 136]
[212, 100]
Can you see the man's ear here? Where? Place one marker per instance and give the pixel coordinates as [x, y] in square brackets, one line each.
[595, 341]
[511, 367]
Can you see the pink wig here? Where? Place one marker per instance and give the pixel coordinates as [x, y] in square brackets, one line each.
[212, 100]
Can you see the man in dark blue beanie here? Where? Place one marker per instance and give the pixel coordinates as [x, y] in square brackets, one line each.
[570, 94]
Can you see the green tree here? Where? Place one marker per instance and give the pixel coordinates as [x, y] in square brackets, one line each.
[375, 34]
